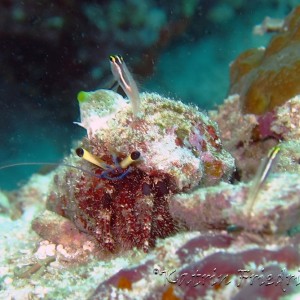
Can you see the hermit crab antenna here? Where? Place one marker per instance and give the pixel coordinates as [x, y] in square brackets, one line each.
[126, 81]
[48, 164]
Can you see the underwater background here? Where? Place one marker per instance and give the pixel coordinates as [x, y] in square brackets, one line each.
[49, 51]
[181, 180]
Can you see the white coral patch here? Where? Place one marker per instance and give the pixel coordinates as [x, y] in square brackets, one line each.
[93, 123]
[166, 156]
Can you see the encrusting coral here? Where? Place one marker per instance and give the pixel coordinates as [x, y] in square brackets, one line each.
[263, 105]
[266, 78]
[249, 137]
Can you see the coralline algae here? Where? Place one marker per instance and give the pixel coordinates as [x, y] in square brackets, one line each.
[180, 150]
[249, 137]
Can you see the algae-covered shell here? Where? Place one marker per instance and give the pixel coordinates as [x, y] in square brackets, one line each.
[173, 137]
[126, 205]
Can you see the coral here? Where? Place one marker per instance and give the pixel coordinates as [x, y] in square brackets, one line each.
[222, 206]
[208, 263]
[71, 244]
[268, 25]
[249, 137]
[129, 207]
[259, 259]
[226, 270]
[266, 78]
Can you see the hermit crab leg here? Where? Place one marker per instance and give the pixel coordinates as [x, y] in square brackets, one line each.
[126, 81]
[105, 174]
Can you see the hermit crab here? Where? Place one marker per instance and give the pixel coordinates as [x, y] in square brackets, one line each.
[117, 185]
[136, 155]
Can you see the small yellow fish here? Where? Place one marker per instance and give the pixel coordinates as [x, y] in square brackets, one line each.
[126, 81]
[260, 178]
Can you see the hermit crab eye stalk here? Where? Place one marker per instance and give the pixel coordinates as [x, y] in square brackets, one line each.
[126, 81]
[133, 157]
[111, 172]
[91, 158]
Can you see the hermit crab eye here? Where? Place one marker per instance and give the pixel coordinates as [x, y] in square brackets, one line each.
[80, 152]
[132, 157]
[135, 155]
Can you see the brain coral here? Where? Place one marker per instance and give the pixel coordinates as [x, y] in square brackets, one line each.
[127, 205]
[266, 78]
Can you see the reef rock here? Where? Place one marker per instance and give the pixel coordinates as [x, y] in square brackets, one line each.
[276, 211]
[249, 137]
